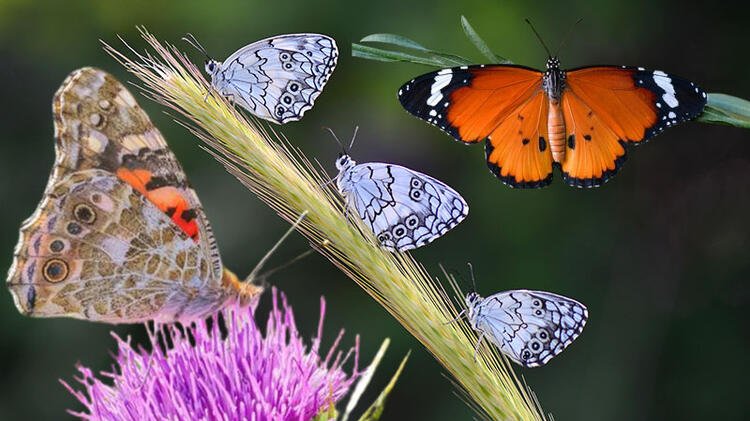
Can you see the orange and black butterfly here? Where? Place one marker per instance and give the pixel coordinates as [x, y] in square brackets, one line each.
[580, 120]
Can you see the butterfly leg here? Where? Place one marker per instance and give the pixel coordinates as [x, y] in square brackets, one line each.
[455, 319]
[479, 342]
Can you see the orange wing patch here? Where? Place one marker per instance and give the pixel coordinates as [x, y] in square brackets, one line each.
[518, 151]
[611, 93]
[470, 102]
[594, 151]
[494, 93]
[169, 199]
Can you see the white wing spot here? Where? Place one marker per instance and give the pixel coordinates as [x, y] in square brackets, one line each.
[665, 83]
[442, 79]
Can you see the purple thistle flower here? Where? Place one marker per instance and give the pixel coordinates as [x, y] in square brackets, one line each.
[211, 374]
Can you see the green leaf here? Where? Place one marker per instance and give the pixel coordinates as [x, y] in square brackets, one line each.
[451, 58]
[393, 39]
[432, 58]
[726, 109]
[375, 411]
[379, 54]
[480, 44]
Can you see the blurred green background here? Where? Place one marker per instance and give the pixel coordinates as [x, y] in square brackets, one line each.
[659, 254]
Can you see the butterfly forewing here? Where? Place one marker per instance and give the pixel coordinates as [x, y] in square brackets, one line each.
[405, 209]
[278, 78]
[469, 102]
[640, 103]
[530, 327]
[98, 124]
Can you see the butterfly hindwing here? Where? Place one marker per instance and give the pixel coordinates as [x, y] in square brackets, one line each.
[278, 78]
[593, 151]
[101, 251]
[518, 151]
[405, 209]
[531, 327]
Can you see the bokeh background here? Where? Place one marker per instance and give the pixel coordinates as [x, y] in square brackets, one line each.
[659, 254]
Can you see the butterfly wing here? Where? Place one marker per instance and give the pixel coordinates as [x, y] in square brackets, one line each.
[98, 250]
[278, 78]
[503, 104]
[148, 246]
[608, 107]
[405, 209]
[530, 327]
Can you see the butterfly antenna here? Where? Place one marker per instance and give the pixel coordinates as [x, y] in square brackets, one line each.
[473, 280]
[254, 274]
[300, 256]
[190, 39]
[343, 149]
[354, 136]
[539, 37]
[567, 37]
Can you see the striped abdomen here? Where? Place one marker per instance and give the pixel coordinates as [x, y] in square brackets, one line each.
[556, 130]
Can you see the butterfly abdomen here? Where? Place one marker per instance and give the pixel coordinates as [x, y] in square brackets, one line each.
[555, 131]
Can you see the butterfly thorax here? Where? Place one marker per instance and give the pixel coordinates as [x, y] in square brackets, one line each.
[553, 80]
[472, 304]
[553, 84]
[344, 164]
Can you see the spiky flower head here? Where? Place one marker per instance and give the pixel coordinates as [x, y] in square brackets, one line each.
[221, 371]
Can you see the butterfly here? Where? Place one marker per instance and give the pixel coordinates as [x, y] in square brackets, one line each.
[530, 327]
[277, 78]
[405, 209]
[580, 120]
[119, 236]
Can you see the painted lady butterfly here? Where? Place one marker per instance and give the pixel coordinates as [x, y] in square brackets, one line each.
[119, 236]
